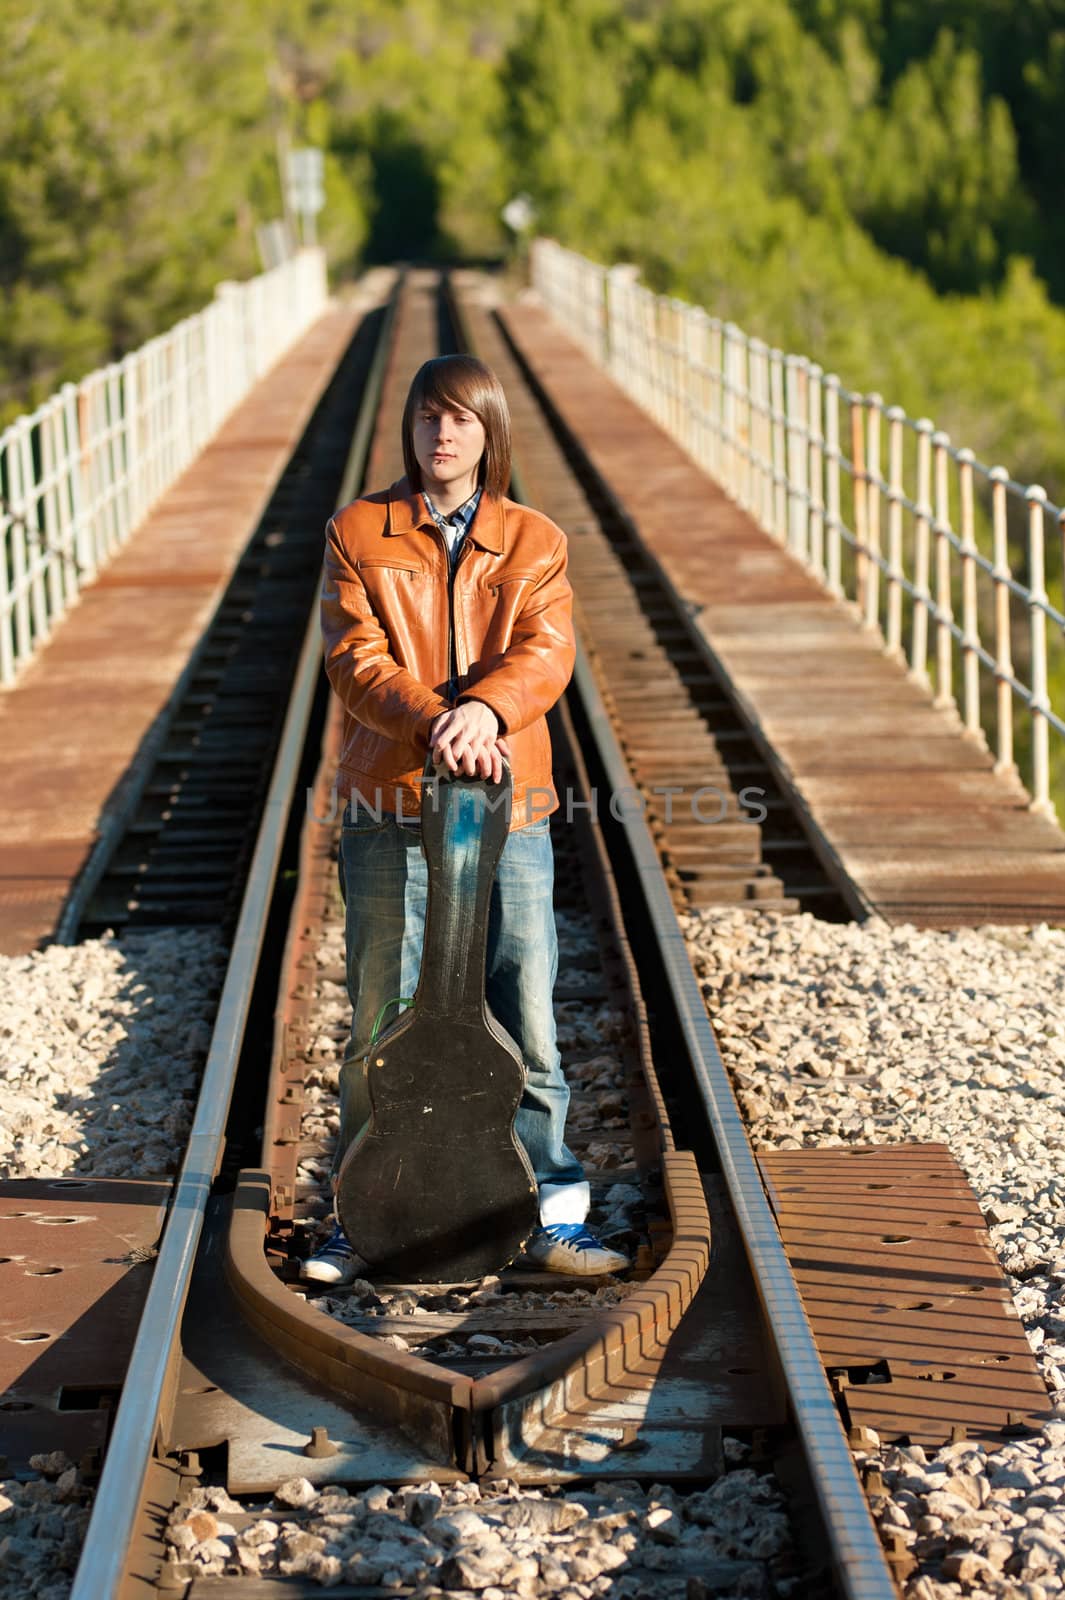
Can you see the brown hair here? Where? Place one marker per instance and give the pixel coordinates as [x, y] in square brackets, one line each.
[462, 382]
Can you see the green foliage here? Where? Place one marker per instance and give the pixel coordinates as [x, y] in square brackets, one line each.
[874, 184]
[121, 206]
[139, 146]
[841, 177]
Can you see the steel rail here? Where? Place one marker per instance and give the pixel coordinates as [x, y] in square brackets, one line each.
[855, 1545]
[111, 1527]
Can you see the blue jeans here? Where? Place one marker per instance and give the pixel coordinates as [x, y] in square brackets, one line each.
[383, 878]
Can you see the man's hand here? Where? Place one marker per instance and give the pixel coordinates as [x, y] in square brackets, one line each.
[467, 739]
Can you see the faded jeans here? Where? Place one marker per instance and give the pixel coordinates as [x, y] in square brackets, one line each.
[383, 878]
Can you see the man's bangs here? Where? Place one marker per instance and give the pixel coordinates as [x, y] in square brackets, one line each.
[451, 391]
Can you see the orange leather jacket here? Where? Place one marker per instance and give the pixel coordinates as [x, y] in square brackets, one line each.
[400, 630]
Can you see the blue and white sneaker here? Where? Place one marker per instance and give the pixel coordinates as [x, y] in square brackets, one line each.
[335, 1263]
[572, 1248]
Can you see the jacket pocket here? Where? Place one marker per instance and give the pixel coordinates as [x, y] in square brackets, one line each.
[506, 585]
[365, 564]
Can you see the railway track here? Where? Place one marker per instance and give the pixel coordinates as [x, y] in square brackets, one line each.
[702, 1349]
[696, 1367]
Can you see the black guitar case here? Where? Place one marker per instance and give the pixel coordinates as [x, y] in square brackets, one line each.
[437, 1188]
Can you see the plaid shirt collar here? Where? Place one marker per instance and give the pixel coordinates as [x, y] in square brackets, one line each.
[456, 524]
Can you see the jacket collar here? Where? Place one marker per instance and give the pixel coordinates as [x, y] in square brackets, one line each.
[407, 513]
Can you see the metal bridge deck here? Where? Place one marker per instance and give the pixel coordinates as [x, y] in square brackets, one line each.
[73, 725]
[905, 807]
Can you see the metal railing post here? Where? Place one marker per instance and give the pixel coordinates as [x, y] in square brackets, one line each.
[970, 613]
[20, 565]
[116, 468]
[1003, 640]
[729, 474]
[716, 400]
[603, 314]
[874, 483]
[778, 456]
[699, 336]
[944, 607]
[893, 635]
[26, 503]
[761, 481]
[860, 490]
[815, 471]
[135, 499]
[1036, 496]
[832, 497]
[49, 512]
[745, 476]
[796, 445]
[7, 631]
[921, 553]
[83, 550]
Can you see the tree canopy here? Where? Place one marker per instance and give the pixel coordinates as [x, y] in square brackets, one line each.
[873, 182]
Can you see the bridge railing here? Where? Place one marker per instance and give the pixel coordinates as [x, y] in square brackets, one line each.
[81, 472]
[886, 511]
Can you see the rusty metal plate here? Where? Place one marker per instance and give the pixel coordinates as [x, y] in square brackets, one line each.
[236, 1390]
[661, 1412]
[908, 1303]
[75, 1264]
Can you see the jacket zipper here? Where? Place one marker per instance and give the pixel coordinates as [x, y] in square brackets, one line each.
[452, 569]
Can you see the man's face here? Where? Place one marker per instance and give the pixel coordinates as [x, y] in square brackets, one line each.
[448, 446]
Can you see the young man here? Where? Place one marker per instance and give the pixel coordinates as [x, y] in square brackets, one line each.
[447, 628]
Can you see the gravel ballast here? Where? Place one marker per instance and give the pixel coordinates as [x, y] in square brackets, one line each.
[496, 1541]
[834, 1034]
[838, 1034]
[100, 1049]
[101, 1046]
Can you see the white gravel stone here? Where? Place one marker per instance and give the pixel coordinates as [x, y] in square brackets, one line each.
[296, 1492]
[41, 1531]
[601, 1539]
[838, 1034]
[100, 1049]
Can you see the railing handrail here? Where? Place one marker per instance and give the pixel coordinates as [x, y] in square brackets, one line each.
[80, 472]
[767, 425]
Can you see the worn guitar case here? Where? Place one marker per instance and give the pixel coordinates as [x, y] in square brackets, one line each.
[437, 1187]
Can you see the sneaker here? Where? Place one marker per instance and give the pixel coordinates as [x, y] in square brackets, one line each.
[570, 1247]
[335, 1263]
